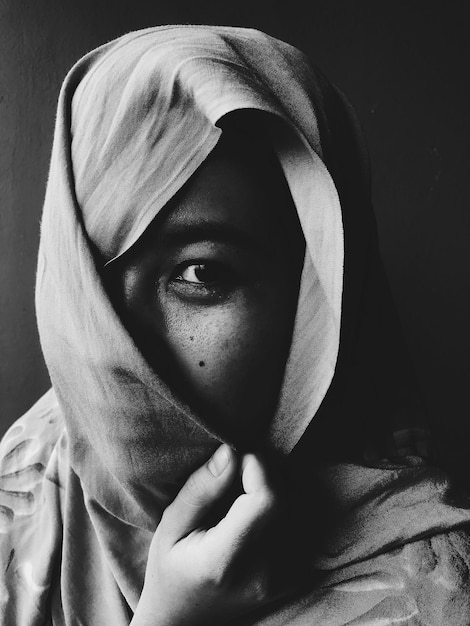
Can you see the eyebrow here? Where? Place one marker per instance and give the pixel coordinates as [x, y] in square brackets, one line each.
[183, 234]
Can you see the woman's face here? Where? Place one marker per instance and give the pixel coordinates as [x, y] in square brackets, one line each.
[210, 291]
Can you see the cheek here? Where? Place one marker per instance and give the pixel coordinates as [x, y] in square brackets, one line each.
[229, 359]
[212, 344]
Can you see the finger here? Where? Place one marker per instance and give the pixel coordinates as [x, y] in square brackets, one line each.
[198, 495]
[247, 516]
[254, 475]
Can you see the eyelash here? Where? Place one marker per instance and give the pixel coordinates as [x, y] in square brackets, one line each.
[217, 288]
[201, 267]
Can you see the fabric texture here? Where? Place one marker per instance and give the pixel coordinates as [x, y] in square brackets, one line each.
[86, 474]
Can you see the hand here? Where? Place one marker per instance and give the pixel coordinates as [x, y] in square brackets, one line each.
[196, 572]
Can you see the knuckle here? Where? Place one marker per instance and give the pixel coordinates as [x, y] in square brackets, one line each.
[258, 591]
[267, 502]
[217, 575]
[195, 490]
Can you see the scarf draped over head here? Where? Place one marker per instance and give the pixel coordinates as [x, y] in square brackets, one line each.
[136, 118]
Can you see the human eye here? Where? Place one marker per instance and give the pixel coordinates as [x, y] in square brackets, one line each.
[201, 273]
[208, 280]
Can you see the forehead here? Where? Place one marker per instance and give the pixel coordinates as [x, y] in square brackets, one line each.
[239, 187]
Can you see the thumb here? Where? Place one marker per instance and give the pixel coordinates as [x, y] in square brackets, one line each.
[198, 495]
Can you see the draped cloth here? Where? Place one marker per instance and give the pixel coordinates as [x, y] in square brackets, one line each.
[87, 472]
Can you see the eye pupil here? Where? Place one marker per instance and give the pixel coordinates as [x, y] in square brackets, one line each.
[205, 273]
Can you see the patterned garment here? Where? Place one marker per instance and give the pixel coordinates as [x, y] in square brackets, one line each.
[31, 498]
[422, 582]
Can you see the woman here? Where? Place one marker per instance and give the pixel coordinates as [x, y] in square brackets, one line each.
[199, 307]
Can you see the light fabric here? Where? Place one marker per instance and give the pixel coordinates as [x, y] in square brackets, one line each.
[86, 474]
[394, 549]
[141, 119]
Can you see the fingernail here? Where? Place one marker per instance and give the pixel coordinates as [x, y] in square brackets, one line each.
[220, 460]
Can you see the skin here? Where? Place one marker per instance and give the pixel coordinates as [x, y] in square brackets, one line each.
[193, 575]
[209, 294]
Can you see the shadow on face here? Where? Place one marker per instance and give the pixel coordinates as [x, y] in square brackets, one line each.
[210, 291]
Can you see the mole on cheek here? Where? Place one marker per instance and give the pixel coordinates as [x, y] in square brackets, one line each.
[201, 363]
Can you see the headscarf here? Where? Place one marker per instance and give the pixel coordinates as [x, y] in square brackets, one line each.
[144, 113]
[136, 118]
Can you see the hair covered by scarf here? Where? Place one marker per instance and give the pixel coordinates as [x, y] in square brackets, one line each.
[136, 118]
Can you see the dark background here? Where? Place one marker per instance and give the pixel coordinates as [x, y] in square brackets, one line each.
[404, 66]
